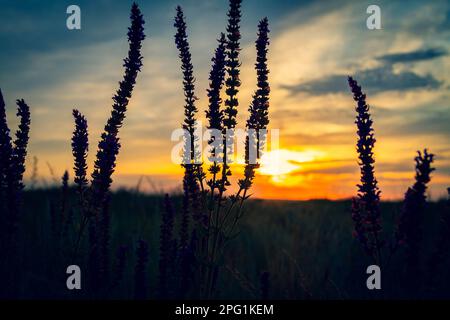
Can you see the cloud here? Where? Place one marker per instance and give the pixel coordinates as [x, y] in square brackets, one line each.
[426, 120]
[373, 80]
[413, 56]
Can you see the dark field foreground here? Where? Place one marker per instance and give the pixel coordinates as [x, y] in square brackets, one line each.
[307, 248]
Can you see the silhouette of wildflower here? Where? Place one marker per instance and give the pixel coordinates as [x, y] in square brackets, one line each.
[233, 48]
[21, 142]
[80, 146]
[193, 170]
[409, 226]
[259, 108]
[233, 83]
[5, 149]
[214, 114]
[12, 167]
[368, 192]
[190, 110]
[109, 145]
[64, 198]
[359, 231]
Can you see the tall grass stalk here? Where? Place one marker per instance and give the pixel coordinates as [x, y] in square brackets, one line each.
[94, 199]
[368, 224]
[12, 167]
[211, 210]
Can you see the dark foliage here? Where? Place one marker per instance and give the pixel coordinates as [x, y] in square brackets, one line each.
[232, 83]
[166, 248]
[109, 145]
[80, 145]
[140, 271]
[369, 224]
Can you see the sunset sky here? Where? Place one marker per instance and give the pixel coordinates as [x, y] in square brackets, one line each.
[403, 68]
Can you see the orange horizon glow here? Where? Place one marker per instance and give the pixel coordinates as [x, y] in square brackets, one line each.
[284, 174]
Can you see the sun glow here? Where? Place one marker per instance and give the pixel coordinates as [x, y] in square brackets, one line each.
[280, 164]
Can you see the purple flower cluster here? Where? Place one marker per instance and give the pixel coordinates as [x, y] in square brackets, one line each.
[233, 83]
[80, 146]
[12, 167]
[409, 226]
[367, 219]
[109, 145]
[211, 210]
[259, 108]
[214, 114]
[190, 110]
[94, 200]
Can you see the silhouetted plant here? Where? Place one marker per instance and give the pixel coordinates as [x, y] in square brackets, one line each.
[211, 211]
[80, 146]
[119, 270]
[185, 256]
[214, 114]
[166, 248]
[12, 167]
[64, 197]
[258, 110]
[409, 230]
[109, 145]
[409, 227]
[359, 231]
[95, 198]
[369, 226]
[5, 152]
[64, 204]
[233, 83]
[441, 252]
[140, 271]
[185, 219]
[21, 143]
[408, 234]
[187, 266]
[93, 261]
[190, 110]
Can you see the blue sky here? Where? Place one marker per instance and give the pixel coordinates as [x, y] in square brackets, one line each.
[314, 45]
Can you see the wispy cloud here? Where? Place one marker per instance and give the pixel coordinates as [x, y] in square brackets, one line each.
[413, 56]
[375, 80]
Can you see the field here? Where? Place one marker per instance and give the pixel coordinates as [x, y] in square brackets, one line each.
[307, 247]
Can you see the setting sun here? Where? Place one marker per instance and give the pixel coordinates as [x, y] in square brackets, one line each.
[280, 163]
